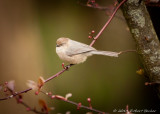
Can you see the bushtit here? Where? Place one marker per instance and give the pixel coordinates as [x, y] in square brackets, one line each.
[75, 52]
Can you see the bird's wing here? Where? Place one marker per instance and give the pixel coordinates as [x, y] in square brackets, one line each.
[78, 48]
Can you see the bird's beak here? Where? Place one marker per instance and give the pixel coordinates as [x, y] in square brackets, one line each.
[57, 45]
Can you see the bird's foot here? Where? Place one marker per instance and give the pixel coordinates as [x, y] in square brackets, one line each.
[67, 66]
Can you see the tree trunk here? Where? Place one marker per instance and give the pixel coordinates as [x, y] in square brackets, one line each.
[147, 42]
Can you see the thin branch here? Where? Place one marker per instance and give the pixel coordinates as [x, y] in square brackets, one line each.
[107, 23]
[54, 76]
[15, 94]
[19, 100]
[31, 109]
[126, 51]
[85, 107]
[77, 104]
[50, 78]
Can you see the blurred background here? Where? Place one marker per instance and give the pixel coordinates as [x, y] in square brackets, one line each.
[28, 32]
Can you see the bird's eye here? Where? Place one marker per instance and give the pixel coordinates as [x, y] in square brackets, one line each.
[58, 45]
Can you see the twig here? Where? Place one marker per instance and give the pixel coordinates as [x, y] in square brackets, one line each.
[31, 109]
[15, 94]
[54, 76]
[121, 52]
[19, 100]
[107, 23]
[77, 104]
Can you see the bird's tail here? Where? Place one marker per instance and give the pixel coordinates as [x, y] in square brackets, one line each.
[106, 53]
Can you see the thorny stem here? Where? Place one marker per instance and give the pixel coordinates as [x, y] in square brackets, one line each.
[107, 23]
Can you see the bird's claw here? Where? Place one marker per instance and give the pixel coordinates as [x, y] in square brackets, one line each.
[67, 66]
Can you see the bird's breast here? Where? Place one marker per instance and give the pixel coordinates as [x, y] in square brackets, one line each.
[75, 59]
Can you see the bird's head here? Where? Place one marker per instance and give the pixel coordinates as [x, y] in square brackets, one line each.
[61, 41]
